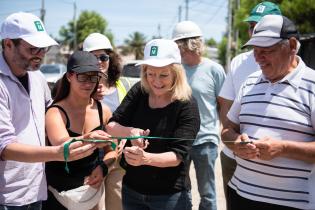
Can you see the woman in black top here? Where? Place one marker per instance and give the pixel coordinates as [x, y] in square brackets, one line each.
[75, 114]
[157, 171]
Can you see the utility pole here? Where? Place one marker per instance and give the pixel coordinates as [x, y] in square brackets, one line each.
[187, 8]
[42, 11]
[159, 30]
[179, 13]
[229, 37]
[74, 25]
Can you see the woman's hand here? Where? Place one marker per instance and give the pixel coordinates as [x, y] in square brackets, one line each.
[140, 142]
[135, 156]
[95, 179]
[100, 135]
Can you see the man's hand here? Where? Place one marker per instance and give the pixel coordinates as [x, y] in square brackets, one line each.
[245, 150]
[269, 148]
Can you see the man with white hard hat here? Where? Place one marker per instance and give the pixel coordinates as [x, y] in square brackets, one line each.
[271, 124]
[24, 96]
[205, 78]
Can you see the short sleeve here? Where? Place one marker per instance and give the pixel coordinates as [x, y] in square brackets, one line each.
[219, 78]
[235, 109]
[227, 90]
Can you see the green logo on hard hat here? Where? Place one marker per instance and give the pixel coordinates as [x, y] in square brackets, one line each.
[38, 26]
[154, 51]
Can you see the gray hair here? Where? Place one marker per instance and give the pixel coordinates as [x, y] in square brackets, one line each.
[194, 44]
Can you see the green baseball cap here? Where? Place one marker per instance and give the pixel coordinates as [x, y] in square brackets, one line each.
[262, 9]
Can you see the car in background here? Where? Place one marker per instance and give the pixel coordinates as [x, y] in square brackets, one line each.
[53, 72]
[131, 71]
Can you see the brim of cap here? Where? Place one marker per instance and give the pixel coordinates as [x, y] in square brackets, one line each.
[84, 69]
[253, 18]
[262, 42]
[157, 62]
[97, 48]
[40, 41]
[186, 37]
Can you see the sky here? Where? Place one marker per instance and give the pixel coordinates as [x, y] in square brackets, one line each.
[124, 17]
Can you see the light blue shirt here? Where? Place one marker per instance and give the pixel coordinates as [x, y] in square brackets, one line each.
[22, 120]
[206, 80]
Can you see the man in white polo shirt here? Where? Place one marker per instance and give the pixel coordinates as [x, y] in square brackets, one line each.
[271, 124]
[242, 66]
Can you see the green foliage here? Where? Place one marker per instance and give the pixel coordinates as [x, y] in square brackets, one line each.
[301, 12]
[211, 42]
[222, 51]
[135, 45]
[88, 22]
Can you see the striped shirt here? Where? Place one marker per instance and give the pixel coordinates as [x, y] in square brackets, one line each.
[281, 110]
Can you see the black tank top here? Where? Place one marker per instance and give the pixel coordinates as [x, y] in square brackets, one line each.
[57, 177]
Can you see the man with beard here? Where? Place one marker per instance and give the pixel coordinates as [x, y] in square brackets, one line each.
[24, 96]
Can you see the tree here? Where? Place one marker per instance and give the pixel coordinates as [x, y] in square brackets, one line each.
[222, 51]
[88, 22]
[301, 12]
[135, 45]
[211, 42]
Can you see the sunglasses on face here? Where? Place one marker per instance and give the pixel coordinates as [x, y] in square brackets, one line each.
[103, 57]
[35, 50]
[94, 78]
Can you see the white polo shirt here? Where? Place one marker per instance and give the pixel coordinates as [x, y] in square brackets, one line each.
[281, 110]
[242, 66]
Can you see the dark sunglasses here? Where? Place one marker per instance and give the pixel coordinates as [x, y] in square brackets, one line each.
[94, 78]
[103, 57]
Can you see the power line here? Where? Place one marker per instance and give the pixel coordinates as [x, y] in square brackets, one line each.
[216, 12]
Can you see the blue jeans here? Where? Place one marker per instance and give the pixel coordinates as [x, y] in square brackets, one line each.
[204, 157]
[32, 206]
[133, 200]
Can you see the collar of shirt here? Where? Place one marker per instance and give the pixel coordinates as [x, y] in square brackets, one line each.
[293, 78]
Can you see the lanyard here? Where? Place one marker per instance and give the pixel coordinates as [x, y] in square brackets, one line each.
[113, 144]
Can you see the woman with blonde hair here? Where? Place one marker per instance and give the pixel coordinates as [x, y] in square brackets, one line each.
[157, 171]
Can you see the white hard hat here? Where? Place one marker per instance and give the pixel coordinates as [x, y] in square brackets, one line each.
[96, 41]
[186, 29]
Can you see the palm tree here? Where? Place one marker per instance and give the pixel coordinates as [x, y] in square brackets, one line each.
[135, 45]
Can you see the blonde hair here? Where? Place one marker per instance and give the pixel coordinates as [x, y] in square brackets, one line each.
[194, 44]
[180, 89]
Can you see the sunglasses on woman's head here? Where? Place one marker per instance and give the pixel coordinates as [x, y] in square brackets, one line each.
[103, 57]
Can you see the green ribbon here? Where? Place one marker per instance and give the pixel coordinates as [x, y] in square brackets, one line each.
[66, 146]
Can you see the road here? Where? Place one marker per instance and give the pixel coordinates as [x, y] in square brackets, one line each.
[219, 186]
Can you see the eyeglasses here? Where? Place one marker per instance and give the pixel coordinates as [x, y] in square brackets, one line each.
[33, 50]
[83, 77]
[103, 57]
[36, 50]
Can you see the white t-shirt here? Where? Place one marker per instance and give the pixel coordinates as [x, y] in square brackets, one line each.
[242, 66]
